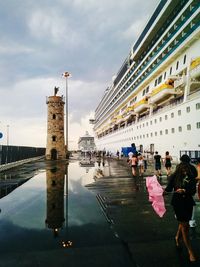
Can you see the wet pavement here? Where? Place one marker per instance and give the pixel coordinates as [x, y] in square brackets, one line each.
[88, 213]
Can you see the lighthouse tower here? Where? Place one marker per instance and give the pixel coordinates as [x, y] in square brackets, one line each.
[55, 149]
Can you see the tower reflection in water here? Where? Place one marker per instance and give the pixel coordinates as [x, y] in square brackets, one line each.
[57, 204]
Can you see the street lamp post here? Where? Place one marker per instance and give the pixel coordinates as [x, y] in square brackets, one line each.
[66, 75]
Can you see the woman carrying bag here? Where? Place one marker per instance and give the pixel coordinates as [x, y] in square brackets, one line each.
[183, 184]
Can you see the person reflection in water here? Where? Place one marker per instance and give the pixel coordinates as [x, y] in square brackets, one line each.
[183, 184]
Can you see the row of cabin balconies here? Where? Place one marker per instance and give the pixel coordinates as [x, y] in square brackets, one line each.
[173, 86]
[156, 55]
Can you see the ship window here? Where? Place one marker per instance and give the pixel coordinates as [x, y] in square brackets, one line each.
[147, 89]
[188, 109]
[54, 116]
[143, 93]
[180, 129]
[151, 122]
[151, 134]
[155, 121]
[198, 106]
[148, 134]
[188, 127]
[184, 59]
[155, 133]
[166, 131]
[143, 136]
[170, 72]
[172, 115]
[147, 123]
[173, 130]
[177, 63]
[160, 118]
[198, 125]
[179, 112]
[160, 132]
[165, 75]
[143, 125]
[155, 82]
[159, 79]
[166, 117]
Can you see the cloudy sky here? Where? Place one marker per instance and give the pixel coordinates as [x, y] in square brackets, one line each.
[39, 40]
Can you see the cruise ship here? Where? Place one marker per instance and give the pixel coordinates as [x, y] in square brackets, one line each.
[154, 100]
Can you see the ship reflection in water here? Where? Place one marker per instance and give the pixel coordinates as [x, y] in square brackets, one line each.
[86, 163]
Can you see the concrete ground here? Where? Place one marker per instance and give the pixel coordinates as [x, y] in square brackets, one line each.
[143, 238]
[148, 238]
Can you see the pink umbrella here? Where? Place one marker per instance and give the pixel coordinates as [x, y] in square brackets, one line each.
[155, 191]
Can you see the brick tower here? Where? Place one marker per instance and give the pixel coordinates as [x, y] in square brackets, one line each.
[55, 149]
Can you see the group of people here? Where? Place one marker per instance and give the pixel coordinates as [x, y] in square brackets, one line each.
[167, 160]
[137, 161]
[183, 182]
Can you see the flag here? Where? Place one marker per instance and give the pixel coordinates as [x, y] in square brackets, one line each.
[66, 74]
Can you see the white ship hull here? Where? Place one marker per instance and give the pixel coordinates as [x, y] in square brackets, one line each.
[160, 83]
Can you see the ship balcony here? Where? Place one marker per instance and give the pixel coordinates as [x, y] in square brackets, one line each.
[161, 93]
[141, 105]
[195, 68]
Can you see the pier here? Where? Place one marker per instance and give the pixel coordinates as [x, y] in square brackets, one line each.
[96, 215]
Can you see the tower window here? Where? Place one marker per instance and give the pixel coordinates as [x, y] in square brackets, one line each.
[53, 138]
[54, 116]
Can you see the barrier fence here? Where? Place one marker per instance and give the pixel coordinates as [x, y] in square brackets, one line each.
[10, 154]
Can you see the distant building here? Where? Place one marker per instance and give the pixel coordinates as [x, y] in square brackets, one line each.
[86, 142]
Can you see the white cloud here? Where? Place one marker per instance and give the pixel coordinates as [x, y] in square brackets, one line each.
[134, 30]
[53, 27]
[26, 113]
[41, 40]
[16, 49]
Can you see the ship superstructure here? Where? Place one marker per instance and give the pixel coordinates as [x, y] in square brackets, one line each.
[154, 100]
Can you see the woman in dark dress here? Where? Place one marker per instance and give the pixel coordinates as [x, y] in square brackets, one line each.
[167, 162]
[183, 184]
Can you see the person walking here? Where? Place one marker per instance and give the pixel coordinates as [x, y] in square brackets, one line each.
[183, 184]
[134, 162]
[167, 163]
[140, 164]
[157, 159]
